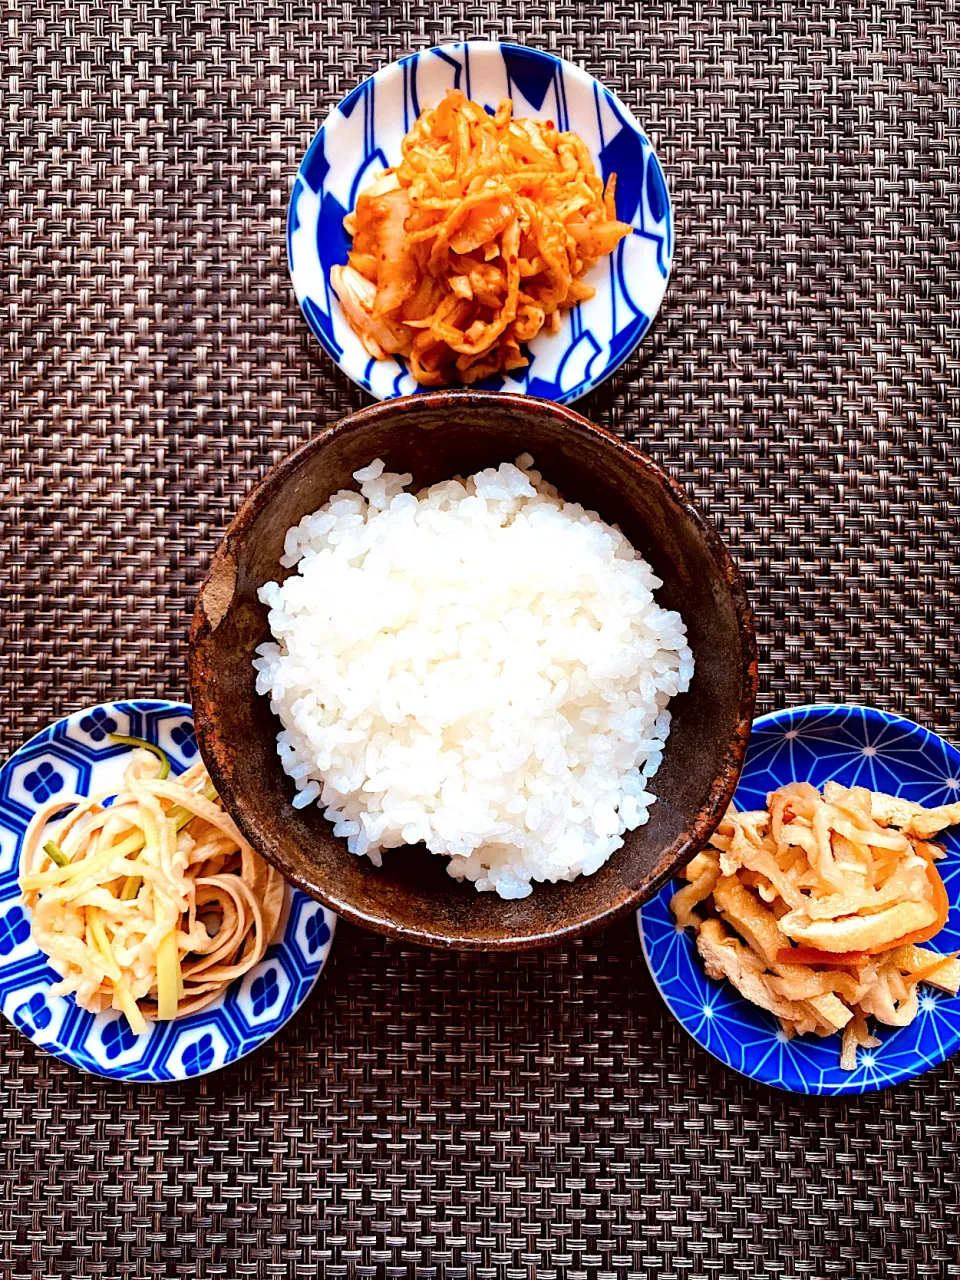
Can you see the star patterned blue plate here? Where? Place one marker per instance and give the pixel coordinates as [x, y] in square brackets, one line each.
[362, 136]
[853, 746]
[76, 757]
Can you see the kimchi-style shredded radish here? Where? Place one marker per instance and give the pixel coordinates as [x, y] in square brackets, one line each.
[169, 977]
[152, 904]
[783, 892]
[476, 241]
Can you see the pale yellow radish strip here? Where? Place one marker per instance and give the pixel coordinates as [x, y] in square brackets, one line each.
[199, 805]
[102, 943]
[85, 867]
[128, 1005]
[169, 980]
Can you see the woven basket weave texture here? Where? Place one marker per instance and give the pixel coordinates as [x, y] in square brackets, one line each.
[539, 1114]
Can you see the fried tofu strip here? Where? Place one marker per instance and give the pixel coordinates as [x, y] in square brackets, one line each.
[813, 908]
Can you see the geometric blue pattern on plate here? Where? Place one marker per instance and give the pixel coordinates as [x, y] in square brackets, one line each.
[75, 757]
[853, 746]
[362, 136]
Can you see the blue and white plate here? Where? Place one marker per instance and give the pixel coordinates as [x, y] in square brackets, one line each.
[362, 136]
[76, 757]
[855, 746]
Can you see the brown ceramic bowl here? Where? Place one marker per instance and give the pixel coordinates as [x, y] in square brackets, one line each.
[436, 436]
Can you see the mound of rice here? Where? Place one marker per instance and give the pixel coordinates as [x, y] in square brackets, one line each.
[481, 667]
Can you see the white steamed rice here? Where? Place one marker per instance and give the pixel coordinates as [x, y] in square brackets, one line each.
[481, 667]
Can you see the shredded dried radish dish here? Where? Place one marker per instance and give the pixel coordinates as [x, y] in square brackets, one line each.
[476, 241]
[814, 908]
[152, 904]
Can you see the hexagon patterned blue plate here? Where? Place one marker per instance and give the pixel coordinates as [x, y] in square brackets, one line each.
[362, 136]
[854, 746]
[76, 757]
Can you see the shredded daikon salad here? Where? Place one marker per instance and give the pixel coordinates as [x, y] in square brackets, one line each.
[149, 901]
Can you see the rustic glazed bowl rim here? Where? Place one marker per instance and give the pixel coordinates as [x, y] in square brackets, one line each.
[695, 834]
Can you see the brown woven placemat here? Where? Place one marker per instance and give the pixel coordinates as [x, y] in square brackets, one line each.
[511, 1117]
